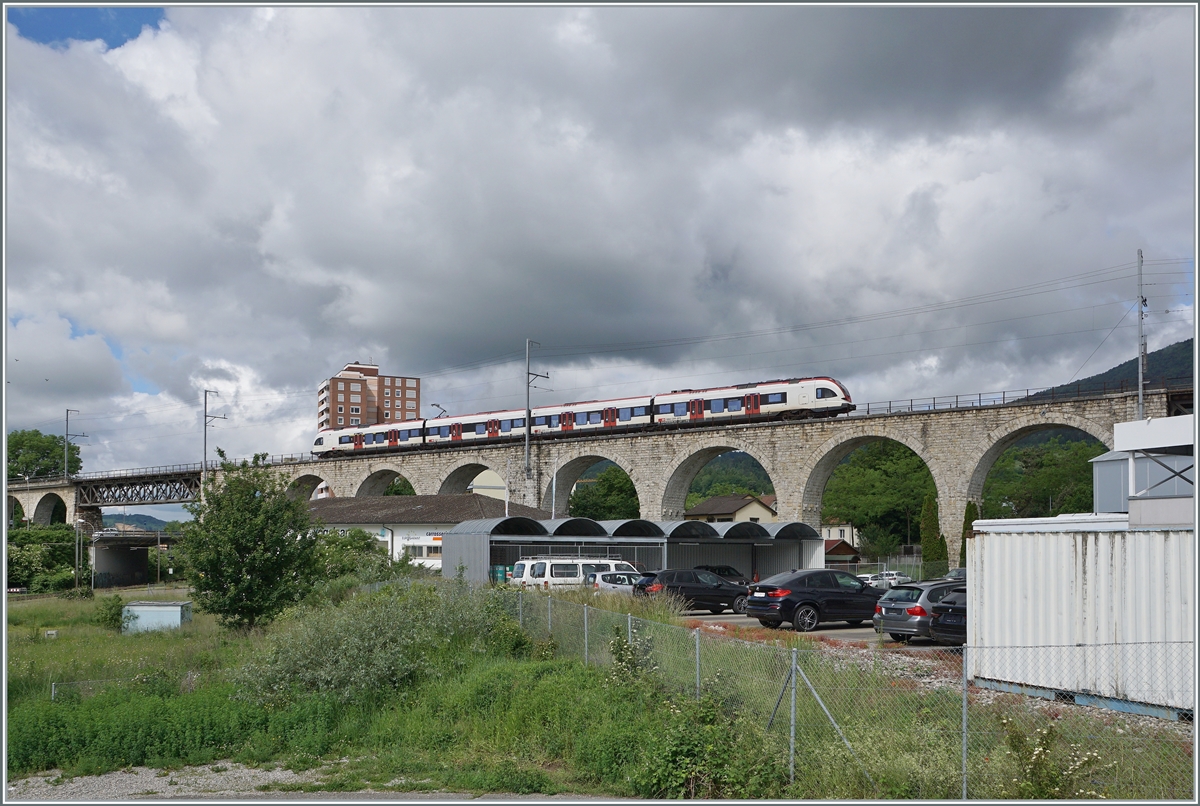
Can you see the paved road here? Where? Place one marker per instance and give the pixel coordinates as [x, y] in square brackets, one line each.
[837, 629]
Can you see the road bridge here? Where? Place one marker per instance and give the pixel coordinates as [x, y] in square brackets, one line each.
[958, 442]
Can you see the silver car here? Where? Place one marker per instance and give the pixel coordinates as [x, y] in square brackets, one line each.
[905, 611]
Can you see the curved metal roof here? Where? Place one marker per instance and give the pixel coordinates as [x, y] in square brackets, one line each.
[791, 530]
[687, 529]
[575, 527]
[516, 525]
[634, 527]
[740, 530]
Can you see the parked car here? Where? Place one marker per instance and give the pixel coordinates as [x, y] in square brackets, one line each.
[808, 598]
[622, 581]
[957, 573]
[555, 572]
[949, 622]
[886, 580]
[701, 590]
[726, 572]
[904, 611]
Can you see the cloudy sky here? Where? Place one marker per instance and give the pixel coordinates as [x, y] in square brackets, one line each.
[915, 201]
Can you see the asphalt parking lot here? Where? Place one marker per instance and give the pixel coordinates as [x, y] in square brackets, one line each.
[835, 629]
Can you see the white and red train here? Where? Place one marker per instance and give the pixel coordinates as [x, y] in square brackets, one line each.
[796, 398]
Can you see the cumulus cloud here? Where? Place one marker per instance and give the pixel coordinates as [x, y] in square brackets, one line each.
[245, 199]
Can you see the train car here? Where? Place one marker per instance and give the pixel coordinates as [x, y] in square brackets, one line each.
[794, 398]
[382, 436]
[488, 425]
[593, 415]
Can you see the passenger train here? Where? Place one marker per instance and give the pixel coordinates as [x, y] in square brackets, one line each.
[796, 398]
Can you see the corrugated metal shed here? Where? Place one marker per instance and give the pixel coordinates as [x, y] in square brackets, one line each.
[634, 527]
[1082, 604]
[575, 527]
[149, 616]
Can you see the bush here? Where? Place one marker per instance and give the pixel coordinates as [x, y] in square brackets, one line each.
[110, 614]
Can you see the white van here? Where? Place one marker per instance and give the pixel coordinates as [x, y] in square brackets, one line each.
[554, 572]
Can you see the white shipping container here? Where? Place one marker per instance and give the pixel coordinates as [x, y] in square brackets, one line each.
[1083, 605]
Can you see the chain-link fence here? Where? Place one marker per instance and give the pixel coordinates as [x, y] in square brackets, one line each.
[872, 719]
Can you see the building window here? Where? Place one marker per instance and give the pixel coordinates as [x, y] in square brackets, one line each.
[410, 382]
[353, 421]
[387, 381]
[341, 385]
[356, 398]
[433, 551]
[340, 421]
[842, 534]
[355, 410]
[341, 409]
[410, 405]
[341, 398]
[410, 393]
[387, 392]
[754, 520]
[387, 404]
[387, 415]
[356, 387]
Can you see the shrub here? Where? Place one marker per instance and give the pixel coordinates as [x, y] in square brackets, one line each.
[110, 614]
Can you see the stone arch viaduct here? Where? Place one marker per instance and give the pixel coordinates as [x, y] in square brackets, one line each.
[959, 446]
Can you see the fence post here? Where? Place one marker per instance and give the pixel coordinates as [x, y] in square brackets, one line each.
[697, 663]
[792, 737]
[964, 722]
[629, 629]
[585, 635]
[549, 611]
[521, 608]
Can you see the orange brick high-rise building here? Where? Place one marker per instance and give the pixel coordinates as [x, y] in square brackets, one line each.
[359, 395]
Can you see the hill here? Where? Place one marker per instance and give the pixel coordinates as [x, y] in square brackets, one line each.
[1172, 362]
[147, 522]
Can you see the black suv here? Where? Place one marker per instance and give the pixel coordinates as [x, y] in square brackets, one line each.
[727, 573]
[702, 590]
[807, 598]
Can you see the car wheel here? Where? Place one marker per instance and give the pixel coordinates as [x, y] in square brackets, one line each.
[770, 625]
[805, 618]
[854, 622]
[899, 637]
[716, 611]
[739, 605]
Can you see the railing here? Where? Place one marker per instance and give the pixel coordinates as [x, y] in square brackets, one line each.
[1047, 394]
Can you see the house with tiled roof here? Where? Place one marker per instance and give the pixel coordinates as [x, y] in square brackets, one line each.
[731, 508]
[412, 523]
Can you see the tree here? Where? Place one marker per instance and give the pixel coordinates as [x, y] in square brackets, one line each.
[37, 455]
[357, 553]
[611, 497]
[877, 543]
[250, 550]
[400, 486]
[1041, 480]
[968, 519]
[883, 483]
[933, 544]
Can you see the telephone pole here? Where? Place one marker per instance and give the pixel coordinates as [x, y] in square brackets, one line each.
[208, 418]
[1141, 354]
[529, 376]
[67, 444]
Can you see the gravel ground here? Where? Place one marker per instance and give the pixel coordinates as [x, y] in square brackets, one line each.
[223, 780]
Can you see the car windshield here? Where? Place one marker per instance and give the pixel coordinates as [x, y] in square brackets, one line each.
[779, 579]
[902, 594]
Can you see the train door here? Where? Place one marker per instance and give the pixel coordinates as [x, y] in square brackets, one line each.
[358, 442]
[456, 432]
[610, 417]
[567, 421]
[696, 409]
[493, 429]
[752, 404]
[393, 438]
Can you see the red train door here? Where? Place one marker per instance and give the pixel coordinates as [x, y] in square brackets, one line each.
[393, 438]
[752, 404]
[456, 432]
[358, 441]
[696, 409]
[610, 417]
[566, 421]
[493, 428]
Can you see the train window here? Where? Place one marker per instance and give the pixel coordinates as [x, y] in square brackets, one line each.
[662, 408]
[681, 409]
[505, 426]
[734, 404]
[823, 392]
[518, 423]
[580, 417]
[443, 431]
[594, 417]
[539, 421]
[415, 433]
[778, 397]
[624, 414]
[345, 440]
[717, 406]
[480, 428]
[320, 441]
[639, 411]
[554, 421]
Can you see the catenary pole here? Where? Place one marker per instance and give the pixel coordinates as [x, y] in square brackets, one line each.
[529, 376]
[1141, 353]
[208, 418]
